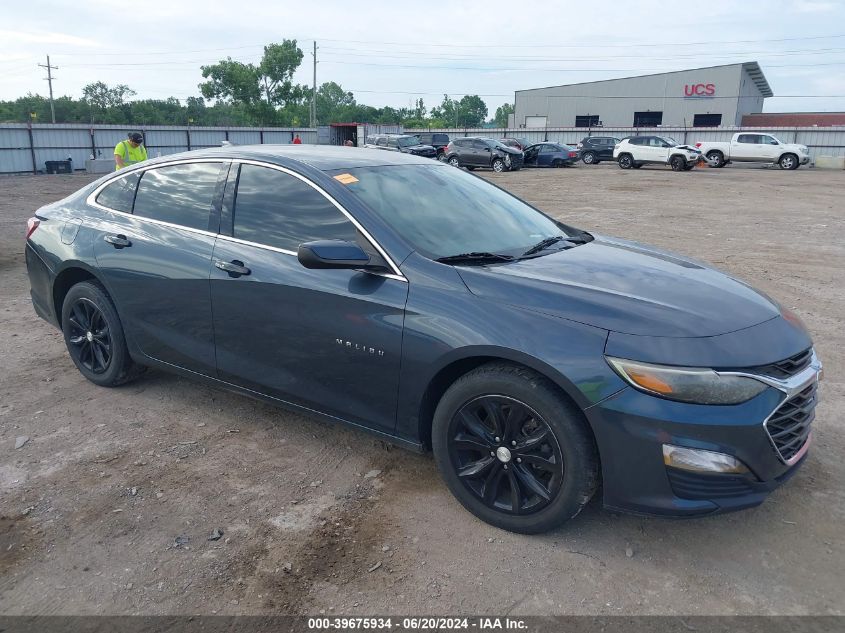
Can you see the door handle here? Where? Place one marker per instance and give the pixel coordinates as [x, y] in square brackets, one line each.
[118, 241]
[235, 268]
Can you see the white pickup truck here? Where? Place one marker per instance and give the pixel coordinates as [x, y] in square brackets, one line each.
[754, 148]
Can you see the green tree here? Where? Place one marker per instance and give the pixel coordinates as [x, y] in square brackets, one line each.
[334, 104]
[502, 112]
[101, 99]
[262, 87]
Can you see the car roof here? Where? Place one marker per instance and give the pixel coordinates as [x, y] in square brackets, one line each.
[322, 157]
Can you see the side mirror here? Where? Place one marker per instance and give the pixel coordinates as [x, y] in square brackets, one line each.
[332, 254]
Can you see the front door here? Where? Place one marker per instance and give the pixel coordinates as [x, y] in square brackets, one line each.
[155, 262]
[329, 340]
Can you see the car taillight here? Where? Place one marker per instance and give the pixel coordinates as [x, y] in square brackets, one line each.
[572, 154]
[698, 144]
[31, 225]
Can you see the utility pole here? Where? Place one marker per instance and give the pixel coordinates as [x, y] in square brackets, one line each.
[314, 92]
[50, 83]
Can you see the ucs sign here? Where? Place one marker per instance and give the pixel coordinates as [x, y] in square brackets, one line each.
[699, 90]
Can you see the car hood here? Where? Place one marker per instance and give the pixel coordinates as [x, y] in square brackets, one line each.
[417, 148]
[625, 287]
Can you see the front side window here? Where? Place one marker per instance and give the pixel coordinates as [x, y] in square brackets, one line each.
[280, 210]
[179, 194]
[119, 193]
[443, 211]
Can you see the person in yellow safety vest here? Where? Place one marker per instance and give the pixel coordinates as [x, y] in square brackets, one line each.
[130, 151]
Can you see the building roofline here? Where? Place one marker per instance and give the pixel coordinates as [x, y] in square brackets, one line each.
[752, 68]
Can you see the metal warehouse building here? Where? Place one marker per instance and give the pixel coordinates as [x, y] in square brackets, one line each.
[701, 97]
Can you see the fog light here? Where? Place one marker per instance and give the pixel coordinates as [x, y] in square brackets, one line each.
[701, 461]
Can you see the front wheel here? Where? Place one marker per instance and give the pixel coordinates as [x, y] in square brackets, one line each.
[626, 161]
[498, 165]
[513, 449]
[788, 161]
[677, 163]
[94, 336]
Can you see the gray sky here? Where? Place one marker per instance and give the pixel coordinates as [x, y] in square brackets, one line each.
[390, 53]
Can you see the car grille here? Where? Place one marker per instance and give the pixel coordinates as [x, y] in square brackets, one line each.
[688, 485]
[785, 368]
[789, 425]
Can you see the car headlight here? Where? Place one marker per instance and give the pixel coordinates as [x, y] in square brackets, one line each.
[687, 384]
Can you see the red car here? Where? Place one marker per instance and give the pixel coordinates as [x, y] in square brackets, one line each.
[518, 143]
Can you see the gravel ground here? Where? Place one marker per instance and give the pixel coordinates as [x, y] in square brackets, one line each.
[107, 509]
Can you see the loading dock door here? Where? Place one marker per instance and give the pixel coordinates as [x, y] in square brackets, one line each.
[535, 121]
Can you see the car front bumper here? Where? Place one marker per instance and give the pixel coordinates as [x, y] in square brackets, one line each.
[631, 428]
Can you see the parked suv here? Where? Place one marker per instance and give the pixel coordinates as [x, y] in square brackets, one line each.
[636, 151]
[438, 140]
[476, 151]
[405, 143]
[595, 149]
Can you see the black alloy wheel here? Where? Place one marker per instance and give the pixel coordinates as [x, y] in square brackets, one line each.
[513, 449]
[94, 336]
[626, 161]
[506, 454]
[677, 163]
[89, 336]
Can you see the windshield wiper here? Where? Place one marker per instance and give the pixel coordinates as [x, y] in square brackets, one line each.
[475, 257]
[550, 241]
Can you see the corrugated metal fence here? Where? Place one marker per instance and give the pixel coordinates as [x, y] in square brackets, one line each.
[822, 141]
[25, 148]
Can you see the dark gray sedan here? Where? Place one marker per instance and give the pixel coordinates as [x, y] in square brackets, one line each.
[436, 310]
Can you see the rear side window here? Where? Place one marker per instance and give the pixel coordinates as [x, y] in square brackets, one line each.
[440, 138]
[119, 193]
[640, 140]
[752, 139]
[279, 210]
[381, 141]
[179, 194]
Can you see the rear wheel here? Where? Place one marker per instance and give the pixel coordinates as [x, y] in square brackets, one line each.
[589, 158]
[626, 161]
[557, 163]
[454, 162]
[677, 163]
[716, 158]
[513, 450]
[788, 161]
[498, 164]
[442, 157]
[94, 336]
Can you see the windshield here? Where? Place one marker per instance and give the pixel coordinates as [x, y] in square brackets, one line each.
[670, 140]
[408, 141]
[443, 211]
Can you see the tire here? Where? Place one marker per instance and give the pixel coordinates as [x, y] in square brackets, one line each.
[94, 336]
[590, 158]
[636, 165]
[677, 163]
[469, 168]
[626, 161]
[717, 158]
[498, 165]
[454, 162]
[788, 161]
[557, 164]
[544, 463]
[689, 166]
[442, 157]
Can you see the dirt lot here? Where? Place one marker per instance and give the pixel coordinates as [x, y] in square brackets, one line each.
[108, 507]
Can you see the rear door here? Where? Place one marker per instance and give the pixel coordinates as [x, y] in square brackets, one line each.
[155, 262]
[606, 147]
[745, 147]
[329, 340]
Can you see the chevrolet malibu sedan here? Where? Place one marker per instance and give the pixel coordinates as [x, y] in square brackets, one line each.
[418, 302]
